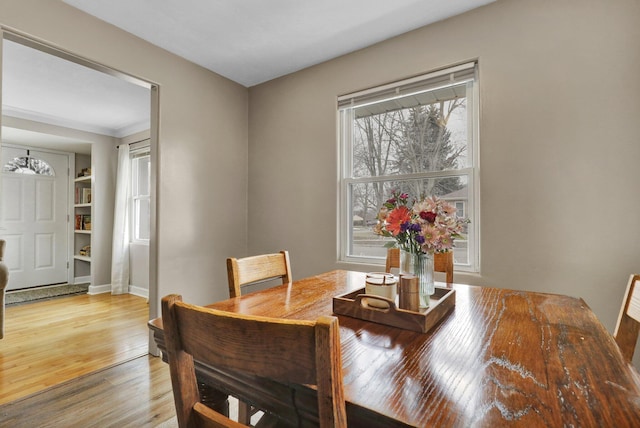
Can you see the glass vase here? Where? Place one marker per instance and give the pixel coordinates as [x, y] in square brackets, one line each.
[421, 266]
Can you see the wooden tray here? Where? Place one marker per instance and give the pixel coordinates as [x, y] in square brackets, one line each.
[354, 304]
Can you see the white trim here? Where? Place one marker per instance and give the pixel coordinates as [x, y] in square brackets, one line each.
[31, 41]
[82, 279]
[409, 81]
[134, 128]
[99, 289]
[106, 288]
[140, 148]
[139, 291]
[474, 193]
[67, 123]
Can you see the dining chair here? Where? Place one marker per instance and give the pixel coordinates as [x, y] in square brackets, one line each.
[442, 262]
[245, 343]
[252, 270]
[256, 269]
[628, 325]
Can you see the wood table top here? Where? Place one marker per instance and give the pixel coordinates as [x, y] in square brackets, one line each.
[500, 357]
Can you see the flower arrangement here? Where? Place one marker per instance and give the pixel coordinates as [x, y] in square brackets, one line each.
[429, 225]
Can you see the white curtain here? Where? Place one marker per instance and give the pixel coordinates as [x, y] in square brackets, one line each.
[121, 224]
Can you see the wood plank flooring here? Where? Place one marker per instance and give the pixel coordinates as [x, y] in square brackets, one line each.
[48, 343]
[136, 394]
[82, 361]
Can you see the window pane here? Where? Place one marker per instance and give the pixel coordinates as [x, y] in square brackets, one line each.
[142, 215]
[414, 139]
[143, 176]
[28, 165]
[367, 199]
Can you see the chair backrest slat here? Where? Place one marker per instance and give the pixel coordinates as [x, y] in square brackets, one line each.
[286, 351]
[628, 325]
[288, 355]
[634, 304]
[249, 270]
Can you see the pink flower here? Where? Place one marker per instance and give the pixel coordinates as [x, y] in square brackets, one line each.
[431, 235]
[448, 209]
[425, 205]
[446, 242]
[382, 214]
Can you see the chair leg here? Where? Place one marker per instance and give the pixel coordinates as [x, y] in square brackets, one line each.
[244, 413]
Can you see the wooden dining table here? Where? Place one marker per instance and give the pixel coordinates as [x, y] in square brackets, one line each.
[499, 357]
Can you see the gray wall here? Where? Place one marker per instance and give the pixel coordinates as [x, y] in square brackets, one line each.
[202, 154]
[559, 148]
[103, 167]
[139, 269]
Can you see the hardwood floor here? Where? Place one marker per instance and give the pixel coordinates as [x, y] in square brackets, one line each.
[48, 343]
[82, 361]
[132, 394]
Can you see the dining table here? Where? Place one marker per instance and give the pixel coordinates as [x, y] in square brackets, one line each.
[499, 357]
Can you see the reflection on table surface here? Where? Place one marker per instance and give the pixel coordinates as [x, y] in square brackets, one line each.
[500, 357]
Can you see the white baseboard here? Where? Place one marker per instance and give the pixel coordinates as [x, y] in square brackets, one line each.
[106, 288]
[81, 279]
[99, 289]
[139, 291]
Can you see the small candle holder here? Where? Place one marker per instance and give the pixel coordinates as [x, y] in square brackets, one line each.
[381, 284]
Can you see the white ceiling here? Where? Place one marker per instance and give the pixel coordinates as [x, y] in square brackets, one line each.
[45, 88]
[40, 86]
[247, 41]
[253, 41]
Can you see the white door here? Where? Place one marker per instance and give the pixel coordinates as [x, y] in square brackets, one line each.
[35, 206]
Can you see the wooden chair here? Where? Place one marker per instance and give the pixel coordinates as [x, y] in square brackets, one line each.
[255, 269]
[308, 354]
[442, 262]
[248, 271]
[628, 326]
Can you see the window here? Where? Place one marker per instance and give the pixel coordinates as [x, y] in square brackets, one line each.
[28, 165]
[140, 201]
[417, 136]
[460, 211]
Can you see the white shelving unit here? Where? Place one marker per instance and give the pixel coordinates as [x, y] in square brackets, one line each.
[82, 225]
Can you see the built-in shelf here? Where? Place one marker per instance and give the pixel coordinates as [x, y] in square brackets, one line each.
[82, 210]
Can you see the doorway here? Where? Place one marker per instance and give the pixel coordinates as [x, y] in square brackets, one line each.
[34, 214]
[84, 91]
[19, 116]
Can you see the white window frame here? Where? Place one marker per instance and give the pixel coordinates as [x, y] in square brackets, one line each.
[463, 212]
[136, 155]
[346, 179]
